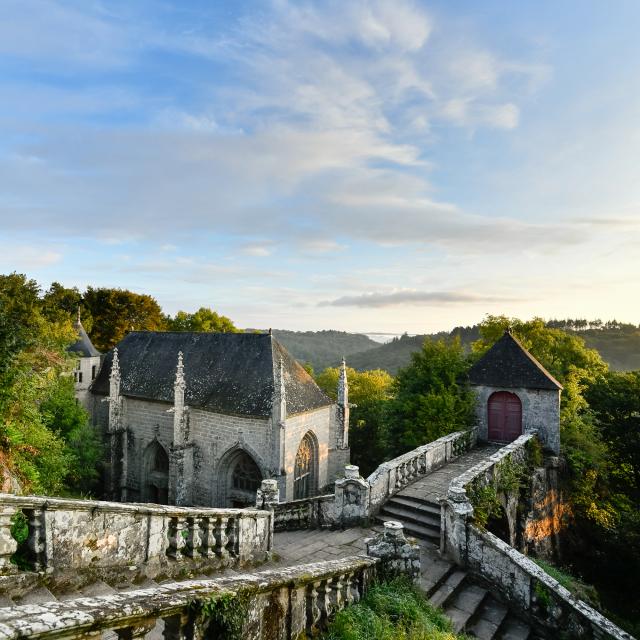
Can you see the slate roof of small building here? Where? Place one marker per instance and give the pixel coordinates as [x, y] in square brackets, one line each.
[229, 373]
[508, 364]
[83, 344]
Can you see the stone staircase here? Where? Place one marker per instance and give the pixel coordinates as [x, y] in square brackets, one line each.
[471, 608]
[420, 517]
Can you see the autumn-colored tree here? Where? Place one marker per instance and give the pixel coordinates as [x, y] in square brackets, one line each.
[117, 311]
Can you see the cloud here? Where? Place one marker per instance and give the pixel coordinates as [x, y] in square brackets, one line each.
[24, 257]
[413, 298]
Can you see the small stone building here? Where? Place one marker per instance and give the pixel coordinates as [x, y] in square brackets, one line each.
[202, 418]
[87, 364]
[515, 394]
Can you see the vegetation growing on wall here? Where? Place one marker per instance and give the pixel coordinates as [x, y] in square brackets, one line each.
[390, 611]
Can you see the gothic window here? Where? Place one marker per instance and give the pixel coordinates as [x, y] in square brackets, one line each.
[246, 475]
[157, 464]
[93, 372]
[304, 476]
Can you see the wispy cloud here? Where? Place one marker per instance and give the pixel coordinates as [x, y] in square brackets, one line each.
[412, 298]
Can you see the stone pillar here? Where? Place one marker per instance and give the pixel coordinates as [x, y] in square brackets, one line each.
[352, 498]
[278, 426]
[117, 435]
[456, 511]
[399, 556]
[8, 545]
[181, 459]
[343, 408]
[268, 494]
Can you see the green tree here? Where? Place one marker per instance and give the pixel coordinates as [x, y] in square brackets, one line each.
[431, 397]
[60, 302]
[370, 392]
[204, 320]
[117, 311]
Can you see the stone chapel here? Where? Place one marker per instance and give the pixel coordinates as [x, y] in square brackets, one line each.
[515, 395]
[202, 418]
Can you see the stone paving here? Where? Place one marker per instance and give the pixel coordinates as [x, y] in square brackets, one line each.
[434, 485]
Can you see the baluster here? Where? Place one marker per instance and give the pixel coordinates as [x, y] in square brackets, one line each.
[177, 627]
[324, 598]
[233, 535]
[221, 538]
[313, 610]
[36, 541]
[348, 586]
[177, 532]
[337, 600]
[209, 537]
[194, 540]
[137, 630]
[355, 587]
[8, 545]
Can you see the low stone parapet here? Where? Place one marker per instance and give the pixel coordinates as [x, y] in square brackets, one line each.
[74, 535]
[309, 513]
[287, 603]
[542, 598]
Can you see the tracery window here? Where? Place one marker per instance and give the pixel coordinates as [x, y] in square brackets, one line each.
[304, 471]
[246, 475]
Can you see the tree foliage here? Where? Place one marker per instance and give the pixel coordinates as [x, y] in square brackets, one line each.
[38, 413]
[430, 397]
[369, 391]
[204, 319]
[117, 311]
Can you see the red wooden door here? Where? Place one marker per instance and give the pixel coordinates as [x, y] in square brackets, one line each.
[505, 417]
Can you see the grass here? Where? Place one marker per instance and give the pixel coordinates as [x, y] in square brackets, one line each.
[578, 588]
[393, 610]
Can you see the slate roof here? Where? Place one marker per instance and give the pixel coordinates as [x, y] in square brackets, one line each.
[508, 364]
[83, 344]
[229, 373]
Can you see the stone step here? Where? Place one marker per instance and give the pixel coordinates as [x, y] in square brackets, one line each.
[446, 590]
[436, 574]
[422, 518]
[98, 588]
[513, 629]
[415, 530]
[414, 502]
[491, 615]
[39, 595]
[464, 604]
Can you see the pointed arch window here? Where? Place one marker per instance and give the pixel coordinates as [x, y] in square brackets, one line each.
[304, 475]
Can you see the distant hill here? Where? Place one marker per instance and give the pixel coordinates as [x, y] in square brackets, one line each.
[618, 344]
[323, 348]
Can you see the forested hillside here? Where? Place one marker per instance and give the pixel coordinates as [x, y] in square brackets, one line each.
[323, 349]
[617, 343]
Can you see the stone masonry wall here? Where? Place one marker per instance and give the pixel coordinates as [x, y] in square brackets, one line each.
[319, 422]
[540, 412]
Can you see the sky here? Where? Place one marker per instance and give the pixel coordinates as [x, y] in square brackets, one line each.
[373, 166]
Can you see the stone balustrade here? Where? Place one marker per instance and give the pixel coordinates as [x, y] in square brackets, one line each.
[289, 603]
[308, 513]
[546, 603]
[392, 476]
[69, 535]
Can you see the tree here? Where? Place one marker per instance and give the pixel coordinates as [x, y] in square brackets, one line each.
[63, 302]
[117, 311]
[204, 319]
[431, 397]
[370, 392]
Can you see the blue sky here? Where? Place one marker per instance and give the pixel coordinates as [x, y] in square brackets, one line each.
[366, 166]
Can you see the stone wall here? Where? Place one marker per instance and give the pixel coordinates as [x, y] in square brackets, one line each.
[74, 535]
[288, 604]
[83, 375]
[546, 603]
[540, 413]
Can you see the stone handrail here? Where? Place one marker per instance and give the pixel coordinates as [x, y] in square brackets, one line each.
[534, 591]
[79, 534]
[308, 513]
[284, 603]
[390, 477]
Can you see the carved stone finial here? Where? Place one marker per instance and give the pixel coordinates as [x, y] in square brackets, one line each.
[180, 382]
[78, 314]
[115, 367]
[268, 495]
[398, 555]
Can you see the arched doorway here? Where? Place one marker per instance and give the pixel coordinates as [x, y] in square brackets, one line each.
[305, 475]
[157, 466]
[241, 478]
[505, 417]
